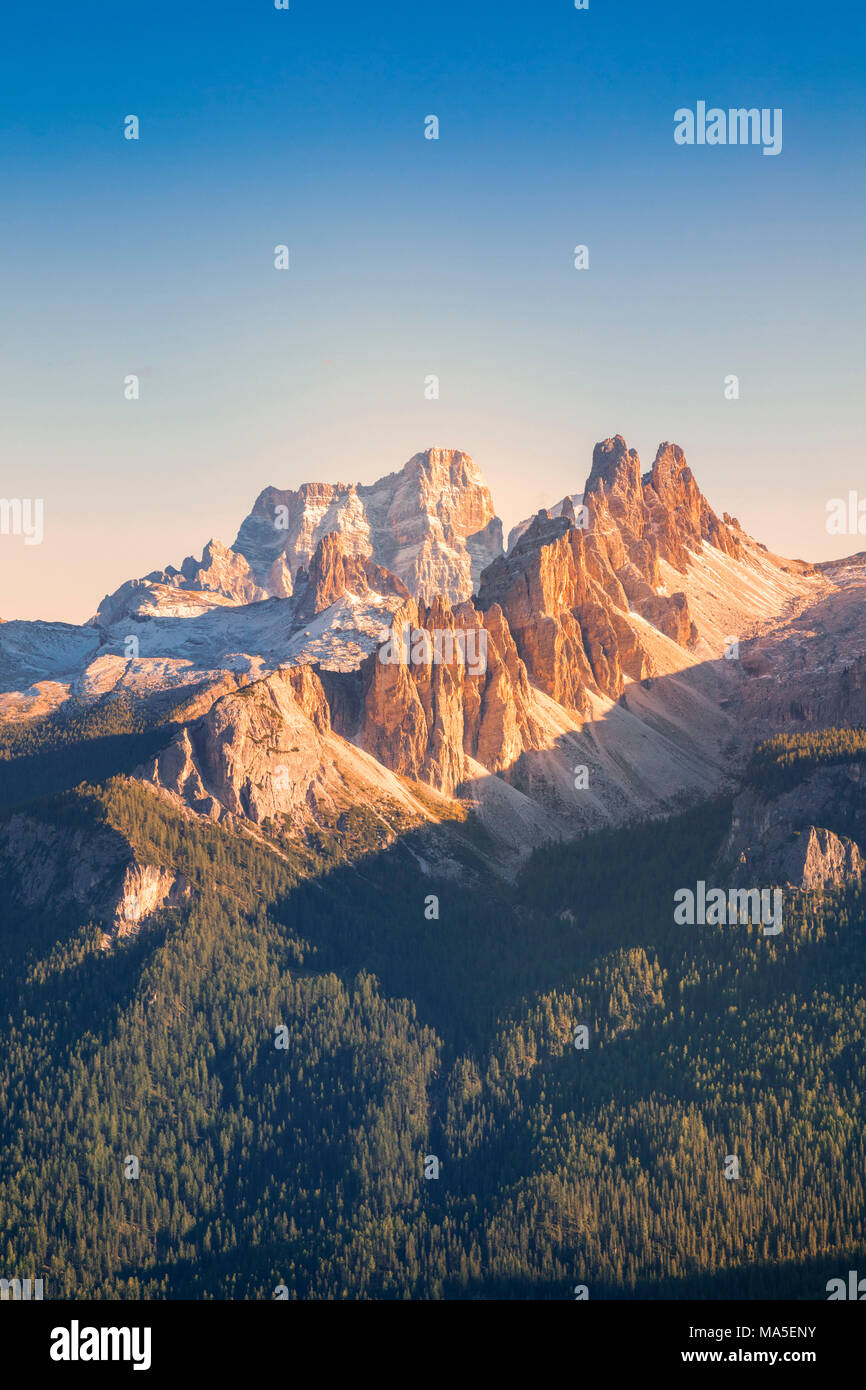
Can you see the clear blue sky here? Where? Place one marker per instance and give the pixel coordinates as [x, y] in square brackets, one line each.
[411, 257]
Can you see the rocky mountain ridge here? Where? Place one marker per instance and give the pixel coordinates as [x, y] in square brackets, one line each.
[432, 524]
[629, 646]
[593, 659]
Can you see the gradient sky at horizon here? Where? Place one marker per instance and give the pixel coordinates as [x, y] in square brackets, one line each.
[411, 257]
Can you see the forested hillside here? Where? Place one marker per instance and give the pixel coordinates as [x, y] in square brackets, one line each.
[782, 762]
[39, 757]
[407, 1036]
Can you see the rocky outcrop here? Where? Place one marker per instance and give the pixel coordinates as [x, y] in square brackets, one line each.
[788, 839]
[567, 507]
[146, 889]
[255, 754]
[333, 573]
[448, 687]
[660, 514]
[268, 756]
[97, 869]
[569, 589]
[819, 859]
[221, 571]
[680, 517]
[541, 587]
[221, 575]
[432, 524]
[278, 580]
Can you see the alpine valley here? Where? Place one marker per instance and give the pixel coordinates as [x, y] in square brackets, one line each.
[371, 964]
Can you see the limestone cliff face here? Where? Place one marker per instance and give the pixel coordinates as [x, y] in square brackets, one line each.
[269, 753]
[425, 711]
[562, 611]
[97, 869]
[566, 588]
[572, 584]
[820, 859]
[144, 890]
[432, 525]
[566, 507]
[787, 838]
[221, 571]
[333, 573]
[560, 619]
[571, 581]
[662, 513]
[255, 754]
[680, 516]
[221, 576]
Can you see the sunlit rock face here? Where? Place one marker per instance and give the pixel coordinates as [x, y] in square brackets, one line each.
[432, 524]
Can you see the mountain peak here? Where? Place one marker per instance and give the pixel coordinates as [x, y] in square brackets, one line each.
[615, 467]
[432, 524]
[334, 573]
[682, 515]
